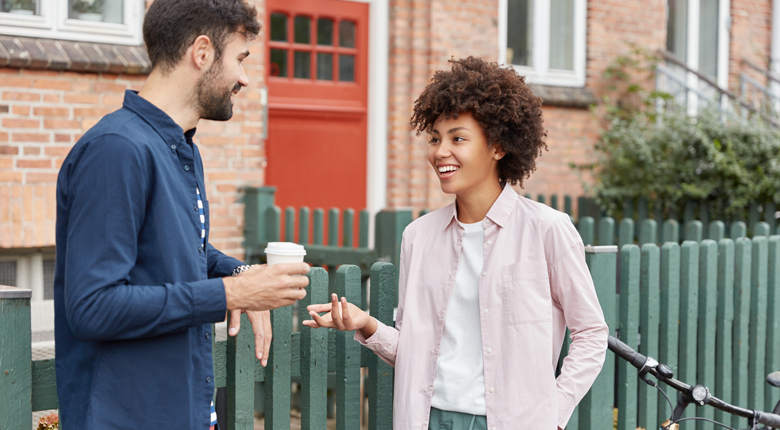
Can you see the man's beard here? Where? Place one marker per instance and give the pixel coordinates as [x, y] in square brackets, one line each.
[214, 103]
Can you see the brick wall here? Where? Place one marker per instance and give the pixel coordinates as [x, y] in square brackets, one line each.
[751, 39]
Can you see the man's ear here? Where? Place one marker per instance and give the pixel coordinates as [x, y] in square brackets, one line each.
[202, 52]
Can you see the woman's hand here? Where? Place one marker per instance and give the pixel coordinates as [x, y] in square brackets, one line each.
[341, 316]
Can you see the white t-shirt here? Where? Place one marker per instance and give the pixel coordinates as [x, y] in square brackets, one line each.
[459, 385]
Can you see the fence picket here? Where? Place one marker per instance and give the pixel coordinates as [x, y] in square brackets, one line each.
[648, 232]
[757, 345]
[689, 310]
[753, 214]
[708, 305]
[649, 302]
[348, 355]
[694, 230]
[277, 372]
[314, 356]
[606, 231]
[669, 316]
[348, 228]
[641, 216]
[704, 214]
[273, 219]
[761, 229]
[319, 226]
[769, 215]
[585, 229]
[773, 316]
[380, 374]
[671, 231]
[629, 331]
[303, 225]
[626, 235]
[738, 229]
[567, 207]
[554, 202]
[289, 224]
[363, 235]
[333, 227]
[717, 231]
[742, 258]
[595, 410]
[725, 319]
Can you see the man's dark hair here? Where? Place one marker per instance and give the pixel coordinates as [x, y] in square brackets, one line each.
[171, 26]
[508, 112]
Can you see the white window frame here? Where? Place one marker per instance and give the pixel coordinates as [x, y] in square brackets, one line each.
[541, 73]
[53, 23]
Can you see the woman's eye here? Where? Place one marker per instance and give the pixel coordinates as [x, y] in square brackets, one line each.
[432, 140]
[458, 139]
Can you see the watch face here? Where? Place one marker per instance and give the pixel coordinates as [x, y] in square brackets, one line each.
[699, 393]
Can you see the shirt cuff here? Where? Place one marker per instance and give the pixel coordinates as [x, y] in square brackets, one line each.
[565, 409]
[208, 301]
[383, 340]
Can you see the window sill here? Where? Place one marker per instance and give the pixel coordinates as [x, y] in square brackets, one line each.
[568, 97]
[47, 54]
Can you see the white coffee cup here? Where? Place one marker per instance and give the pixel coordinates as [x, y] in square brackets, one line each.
[284, 252]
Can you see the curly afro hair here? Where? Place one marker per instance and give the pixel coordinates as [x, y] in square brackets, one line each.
[508, 112]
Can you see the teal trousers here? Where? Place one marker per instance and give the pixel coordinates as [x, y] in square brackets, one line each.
[446, 420]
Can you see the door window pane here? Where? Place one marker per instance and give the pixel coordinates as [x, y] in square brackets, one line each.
[347, 34]
[562, 34]
[347, 68]
[278, 27]
[324, 66]
[677, 29]
[8, 273]
[278, 63]
[302, 64]
[302, 30]
[708, 37]
[95, 10]
[21, 7]
[520, 31]
[325, 32]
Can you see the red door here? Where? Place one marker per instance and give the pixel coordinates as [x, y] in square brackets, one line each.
[317, 93]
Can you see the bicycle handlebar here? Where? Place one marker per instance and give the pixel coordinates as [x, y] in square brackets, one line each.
[640, 362]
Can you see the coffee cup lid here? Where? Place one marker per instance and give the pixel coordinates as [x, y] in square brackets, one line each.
[285, 248]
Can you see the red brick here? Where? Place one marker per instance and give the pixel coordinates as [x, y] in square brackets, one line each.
[16, 82]
[104, 86]
[52, 98]
[57, 150]
[33, 164]
[50, 111]
[6, 163]
[62, 138]
[32, 150]
[82, 112]
[21, 110]
[41, 178]
[61, 124]
[21, 123]
[82, 98]
[9, 150]
[30, 137]
[51, 84]
[6, 176]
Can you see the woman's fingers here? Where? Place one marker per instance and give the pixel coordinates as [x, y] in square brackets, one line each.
[324, 321]
[335, 313]
[345, 314]
[320, 308]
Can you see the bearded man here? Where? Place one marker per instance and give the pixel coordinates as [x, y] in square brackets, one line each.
[137, 284]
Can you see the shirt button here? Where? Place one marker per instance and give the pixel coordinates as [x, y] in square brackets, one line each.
[208, 379]
[489, 350]
[489, 242]
[200, 248]
[186, 167]
[173, 146]
[483, 274]
[195, 208]
[491, 389]
[485, 311]
[207, 335]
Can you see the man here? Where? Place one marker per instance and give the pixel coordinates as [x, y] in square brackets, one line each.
[137, 285]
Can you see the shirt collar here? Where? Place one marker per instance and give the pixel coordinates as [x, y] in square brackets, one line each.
[163, 124]
[500, 211]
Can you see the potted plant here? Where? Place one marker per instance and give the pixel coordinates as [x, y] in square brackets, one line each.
[88, 10]
[22, 7]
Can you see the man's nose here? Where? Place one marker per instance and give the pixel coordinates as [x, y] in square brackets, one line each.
[243, 80]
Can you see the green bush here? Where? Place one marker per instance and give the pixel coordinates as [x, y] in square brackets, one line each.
[670, 158]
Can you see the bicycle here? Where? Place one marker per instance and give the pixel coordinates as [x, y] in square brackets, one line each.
[697, 394]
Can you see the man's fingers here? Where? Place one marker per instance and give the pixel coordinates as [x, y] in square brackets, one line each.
[292, 268]
[269, 334]
[235, 322]
[257, 328]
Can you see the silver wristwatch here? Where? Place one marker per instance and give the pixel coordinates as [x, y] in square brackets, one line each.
[239, 269]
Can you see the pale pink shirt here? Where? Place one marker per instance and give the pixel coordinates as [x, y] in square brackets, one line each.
[533, 285]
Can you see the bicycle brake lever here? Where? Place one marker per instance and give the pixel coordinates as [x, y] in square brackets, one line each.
[650, 363]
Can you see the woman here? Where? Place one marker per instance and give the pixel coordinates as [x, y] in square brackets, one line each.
[488, 284]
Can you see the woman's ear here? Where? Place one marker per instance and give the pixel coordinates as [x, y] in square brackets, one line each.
[498, 153]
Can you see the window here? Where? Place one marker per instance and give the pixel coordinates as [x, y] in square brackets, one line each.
[544, 40]
[104, 21]
[319, 49]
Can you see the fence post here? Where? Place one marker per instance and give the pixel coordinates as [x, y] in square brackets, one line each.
[273, 219]
[649, 300]
[256, 201]
[303, 226]
[240, 378]
[585, 229]
[390, 225]
[347, 355]
[741, 333]
[289, 224]
[15, 358]
[333, 227]
[626, 236]
[380, 374]
[694, 230]
[708, 304]
[761, 229]
[689, 310]
[725, 321]
[314, 355]
[773, 312]
[648, 231]
[738, 229]
[717, 231]
[758, 297]
[669, 330]
[629, 331]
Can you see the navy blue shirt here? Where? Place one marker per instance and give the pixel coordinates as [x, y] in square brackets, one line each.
[135, 289]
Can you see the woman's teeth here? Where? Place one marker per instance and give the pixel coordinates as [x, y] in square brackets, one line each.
[444, 169]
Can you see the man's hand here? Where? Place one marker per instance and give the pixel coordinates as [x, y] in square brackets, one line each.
[342, 316]
[263, 288]
[261, 325]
